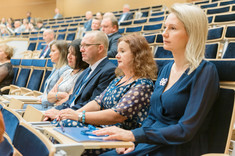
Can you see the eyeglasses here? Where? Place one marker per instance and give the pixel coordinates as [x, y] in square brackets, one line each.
[87, 45]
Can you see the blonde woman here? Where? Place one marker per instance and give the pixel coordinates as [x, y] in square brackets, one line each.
[6, 70]
[184, 93]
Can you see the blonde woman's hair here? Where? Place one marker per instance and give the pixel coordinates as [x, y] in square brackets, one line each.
[8, 50]
[62, 46]
[196, 26]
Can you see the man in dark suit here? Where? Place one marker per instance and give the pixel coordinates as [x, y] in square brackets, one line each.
[110, 27]
[92, 83]
[127, 15]
[48, 36]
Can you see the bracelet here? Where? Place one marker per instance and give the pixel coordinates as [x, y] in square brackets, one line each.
[83, 116]
[56, 96]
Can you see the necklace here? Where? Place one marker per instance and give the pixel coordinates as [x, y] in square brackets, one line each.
[125, 81]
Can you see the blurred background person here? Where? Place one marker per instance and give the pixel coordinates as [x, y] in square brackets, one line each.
[126, 15]
[96, 24]
[6, 69]
[88, 23]
[57, 14]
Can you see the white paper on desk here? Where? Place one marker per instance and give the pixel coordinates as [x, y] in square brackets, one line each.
[22, 98]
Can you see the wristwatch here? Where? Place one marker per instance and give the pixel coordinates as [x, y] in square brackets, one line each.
[80, 116]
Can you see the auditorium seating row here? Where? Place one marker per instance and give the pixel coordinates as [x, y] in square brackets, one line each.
[31, 73]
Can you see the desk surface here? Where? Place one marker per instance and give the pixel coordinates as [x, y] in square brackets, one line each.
[5, 100]
[87, 145]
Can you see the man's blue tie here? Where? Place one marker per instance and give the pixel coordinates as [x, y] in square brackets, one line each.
[80, 86]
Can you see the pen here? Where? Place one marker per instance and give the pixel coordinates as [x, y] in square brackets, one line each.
[61, 125]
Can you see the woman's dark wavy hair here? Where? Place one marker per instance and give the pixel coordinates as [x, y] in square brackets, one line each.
[143, 62]
[80, 64]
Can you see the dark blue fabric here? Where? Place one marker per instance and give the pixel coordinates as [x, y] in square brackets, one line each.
[209, 5]
[150, 38]
[218, 10]
[62, 30]
[152, 27]
[134, 29]
[219, 127]
[47, 73]
[95, 85]
[6, 149]
[15, 75]
[162, 53]
[39, 62]
[121, 30]
[225, 18]
[49, 63]
[70, 36]
[35, 79]
[159, 38]
[125, 23]
[215, 33]
[230, 51]
[230, 32]
[32, 46]
[64, 25]
[26, 62]
[72, 29]
[112, 49]
[139, 21]
[61, 37]
[23, 77]
[210, 18]
[201, 2]
[145, 14]
[211, 50]
[28, 144]
[15, 62]
[227, 3]
[40, 45]
[156, 19]
[158, 13]
[11, 123]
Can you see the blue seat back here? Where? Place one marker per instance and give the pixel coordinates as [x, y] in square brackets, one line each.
[211, 50]
[230, 50]
[6, 148]
[11, 123]
[162, 53]
[70, 36]
[28, 143]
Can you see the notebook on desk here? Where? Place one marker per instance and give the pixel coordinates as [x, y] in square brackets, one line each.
[75, 133]
[22, 98]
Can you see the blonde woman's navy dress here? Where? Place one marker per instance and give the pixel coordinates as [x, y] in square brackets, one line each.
[178, 118]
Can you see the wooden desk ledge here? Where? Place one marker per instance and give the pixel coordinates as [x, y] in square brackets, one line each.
[62, 139]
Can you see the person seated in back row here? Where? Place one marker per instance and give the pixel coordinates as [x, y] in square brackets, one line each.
[184, 94]
[94, 79]
[109, 26]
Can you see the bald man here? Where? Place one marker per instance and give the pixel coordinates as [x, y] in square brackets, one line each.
[48, 36]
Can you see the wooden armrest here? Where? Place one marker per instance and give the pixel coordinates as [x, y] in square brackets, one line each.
[5, 88]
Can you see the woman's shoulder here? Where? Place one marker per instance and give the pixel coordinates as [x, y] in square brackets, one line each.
[63, 69]
[207, 66]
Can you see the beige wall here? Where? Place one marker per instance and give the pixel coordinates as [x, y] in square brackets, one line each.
[79, 7]
[19, 8]
[45, 8]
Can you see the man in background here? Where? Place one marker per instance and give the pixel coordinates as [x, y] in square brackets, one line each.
[127, 15]
[48, 36]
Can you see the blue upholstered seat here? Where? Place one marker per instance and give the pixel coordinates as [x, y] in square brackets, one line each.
[159, 39]
[134, 29]
[32, 46]
[16, 64]
[40, 45]
[70, 36]
[210, 19]
[212, 5]
[225, 18]
[62, 30]
[227, 2]
[37, 74]
[6, 148]
[160, 52]
[201, 2]
[24, 72]
[145, 14]
[28, 142]
[156, 19]
[220, 126]
[211, 50]
[152, 27]
[140, 21]
[61, 36]
[218, 10]
[73, 24]
[158, 13]
[11, 122]
[121, 30]
[230, 32]
[215, 34]
[125, 23]
[64, 25]
[230, 50]
[150, 38]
